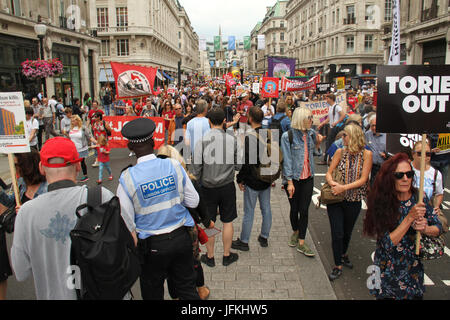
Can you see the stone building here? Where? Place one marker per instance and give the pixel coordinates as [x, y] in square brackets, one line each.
[66, 37]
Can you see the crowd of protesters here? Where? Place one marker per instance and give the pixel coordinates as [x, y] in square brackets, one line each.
[200, 118]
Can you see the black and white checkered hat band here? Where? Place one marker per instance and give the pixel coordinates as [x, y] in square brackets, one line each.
[140, 140]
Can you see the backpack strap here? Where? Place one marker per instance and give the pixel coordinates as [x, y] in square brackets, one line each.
[291, 136]
[94, 197]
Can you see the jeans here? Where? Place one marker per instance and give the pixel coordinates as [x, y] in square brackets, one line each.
[49, 129]
[101, 166]
[250, 197]
[300, 205]
[107, 109]
[342, 216]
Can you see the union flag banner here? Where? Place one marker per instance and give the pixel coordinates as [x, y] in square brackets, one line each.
[133, 81]
[270, 87]
[117, 141]
[292, 85]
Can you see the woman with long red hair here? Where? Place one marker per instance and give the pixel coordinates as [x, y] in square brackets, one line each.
[393, 217]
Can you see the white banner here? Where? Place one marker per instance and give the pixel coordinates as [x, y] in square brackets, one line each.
[255, 87]
[394, 56]
[261, 42]
[202, 44]
[13, 136]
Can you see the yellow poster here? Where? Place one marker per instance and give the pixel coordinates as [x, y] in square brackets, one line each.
[340, 83]
[444, 143]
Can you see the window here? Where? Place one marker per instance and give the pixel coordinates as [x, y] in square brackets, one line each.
[281, 50]
[332, 46]
[122, 47]
[429, 9]
[350, 42]
[333, 18]
[122, 18]
[350, 15]
[15, 6]
[282, 36]
[104, 48]
[102, 19]
[368, 43]
[179, 34]
[338, 16]
[370, 12]
[387, 10]
[281, 24]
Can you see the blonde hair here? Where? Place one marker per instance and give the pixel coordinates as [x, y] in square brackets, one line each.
[173, 153]
[354, 117]
[78, 120]
[26, 103]
[357, 139]
[300, 117]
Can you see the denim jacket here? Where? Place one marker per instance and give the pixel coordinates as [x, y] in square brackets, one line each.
[9, 200]
[293, 155]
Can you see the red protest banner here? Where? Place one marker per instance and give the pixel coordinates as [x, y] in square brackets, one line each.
[296, 85]
[270, 87]
[133, 81]
[117, 141]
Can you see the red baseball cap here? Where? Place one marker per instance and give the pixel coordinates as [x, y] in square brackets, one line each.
[59, 147]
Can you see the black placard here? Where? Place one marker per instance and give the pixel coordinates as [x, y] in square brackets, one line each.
[323, 87]
[413, 99]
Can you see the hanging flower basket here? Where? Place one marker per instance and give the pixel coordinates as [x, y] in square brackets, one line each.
[33, 69]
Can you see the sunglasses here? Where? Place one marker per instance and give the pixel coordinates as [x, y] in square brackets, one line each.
[399, 175]
[344, 135]
[419, 153]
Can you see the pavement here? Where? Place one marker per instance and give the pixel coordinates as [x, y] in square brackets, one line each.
[277, 272]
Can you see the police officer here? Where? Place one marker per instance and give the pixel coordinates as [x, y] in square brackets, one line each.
[155, 193]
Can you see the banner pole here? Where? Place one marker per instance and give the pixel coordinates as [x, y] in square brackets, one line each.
[12, 168]
[422, 182]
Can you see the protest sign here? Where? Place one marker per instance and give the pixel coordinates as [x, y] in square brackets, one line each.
[116, 140]
[292, 85]
[340, 83]
[401, 142]
[323, 87]
[320, 108]
[413, 99]
[281, 67]
[239, 90]
[255, 88]
[133, 81]
[13, 136]
[270, 87]
[443, 143]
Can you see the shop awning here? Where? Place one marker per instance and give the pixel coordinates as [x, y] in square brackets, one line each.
[102, 76]
[167, 76]
[158, 74]
[345, 70]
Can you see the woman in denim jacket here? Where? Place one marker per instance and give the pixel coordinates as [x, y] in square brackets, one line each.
[31, 184]
[298, 169]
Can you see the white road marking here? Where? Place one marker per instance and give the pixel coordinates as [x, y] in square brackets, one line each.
[427, 281]
[446, 190]
[446, 282]
[447, 251]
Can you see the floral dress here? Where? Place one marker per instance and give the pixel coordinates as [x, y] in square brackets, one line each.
[402, 273]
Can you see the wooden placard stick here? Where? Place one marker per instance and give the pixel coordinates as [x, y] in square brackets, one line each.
[422, 183]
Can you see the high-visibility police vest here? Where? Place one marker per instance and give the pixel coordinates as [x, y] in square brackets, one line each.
[156, 188]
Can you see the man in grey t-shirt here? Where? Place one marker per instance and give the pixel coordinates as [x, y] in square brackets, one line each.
[41, 245]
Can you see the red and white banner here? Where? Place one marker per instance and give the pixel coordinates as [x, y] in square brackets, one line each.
[298, 85]
[116, 140]
[133, 81]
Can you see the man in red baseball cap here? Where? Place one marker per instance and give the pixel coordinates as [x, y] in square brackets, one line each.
[41, 244]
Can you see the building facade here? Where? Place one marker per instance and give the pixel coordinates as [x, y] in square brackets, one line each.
[424, 32]
[67, 38]
[342, 36]
[153, 33]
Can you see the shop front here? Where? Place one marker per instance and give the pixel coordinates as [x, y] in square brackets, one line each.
[68, 84]
[13, 51]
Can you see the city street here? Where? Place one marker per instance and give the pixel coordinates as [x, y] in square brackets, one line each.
[279, 272]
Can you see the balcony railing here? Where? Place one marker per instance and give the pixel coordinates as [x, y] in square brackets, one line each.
[350, 20]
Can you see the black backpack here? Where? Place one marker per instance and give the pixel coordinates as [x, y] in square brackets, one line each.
[275, 124]
[104, 250]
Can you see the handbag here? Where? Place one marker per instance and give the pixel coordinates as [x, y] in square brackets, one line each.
[431, 248]
[7, 220]
[326, 195]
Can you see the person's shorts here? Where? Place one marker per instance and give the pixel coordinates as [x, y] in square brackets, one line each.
[223, 198]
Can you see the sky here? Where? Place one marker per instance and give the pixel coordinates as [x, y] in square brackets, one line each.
[236, 17]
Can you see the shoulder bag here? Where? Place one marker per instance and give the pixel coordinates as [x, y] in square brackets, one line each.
[326, 195]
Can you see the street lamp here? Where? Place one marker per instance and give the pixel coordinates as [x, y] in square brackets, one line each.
[40, 30]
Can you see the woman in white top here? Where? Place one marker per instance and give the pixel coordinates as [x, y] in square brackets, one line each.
[81, 137]
[433, 178]
[268, 111]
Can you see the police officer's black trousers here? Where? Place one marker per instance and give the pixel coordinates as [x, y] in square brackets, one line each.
[168, 255]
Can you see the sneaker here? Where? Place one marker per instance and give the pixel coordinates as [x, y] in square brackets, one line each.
[210, 262]
[99, 181]
[263, 242]
[110, 178]
[336, 273]
[230, 259]
[131, 154]
[294, 240]
[346, 262]
[95, 164]
[84, 179]
[305, 250]
[273, 185]
[239, 245]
